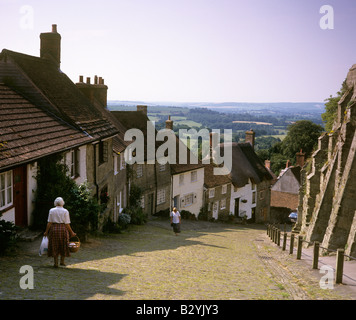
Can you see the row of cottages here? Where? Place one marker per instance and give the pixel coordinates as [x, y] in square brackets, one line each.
[42, 112]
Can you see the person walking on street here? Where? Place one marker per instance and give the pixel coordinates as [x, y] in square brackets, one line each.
[175, 220]
[59, 232]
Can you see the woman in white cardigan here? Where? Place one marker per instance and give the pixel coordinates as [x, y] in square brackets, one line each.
[59, 232]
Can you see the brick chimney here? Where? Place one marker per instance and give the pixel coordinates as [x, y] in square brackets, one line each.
[51, 46]
[169, 123]
[250, 137]
[142, 109]
[300, 158]
[96, 92]
[268, 164]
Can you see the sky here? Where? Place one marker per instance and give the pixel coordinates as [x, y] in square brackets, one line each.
[194, 50]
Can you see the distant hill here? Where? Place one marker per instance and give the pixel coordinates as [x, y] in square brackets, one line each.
[315, 108]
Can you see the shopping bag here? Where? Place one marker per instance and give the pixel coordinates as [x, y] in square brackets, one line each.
[44, 246]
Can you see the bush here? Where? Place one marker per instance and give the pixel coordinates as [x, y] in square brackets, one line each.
[53, 182]
[137, 215]
[185, 214]
[112, 227]
[124, 220]
[7, 236]
[203, 213]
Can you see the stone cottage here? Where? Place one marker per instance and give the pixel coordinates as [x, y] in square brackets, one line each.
[84, 130]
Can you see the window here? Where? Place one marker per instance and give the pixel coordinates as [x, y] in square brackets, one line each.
[139, 171]
[103, 152]
[224, 189]
[116, 164]
[74, 163]
[161, 196]
[211, 193]
[222, 204]
[142, 202]
[193, 176]
[122, 161]
[253, 186]
[181, 179]
[262, 194]
[6, 189]
[254, 197]
[188, 200]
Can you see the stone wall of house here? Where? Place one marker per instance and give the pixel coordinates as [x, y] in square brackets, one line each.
[327, 205]
[262, 211]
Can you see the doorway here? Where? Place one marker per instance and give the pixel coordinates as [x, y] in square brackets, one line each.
[237, 207]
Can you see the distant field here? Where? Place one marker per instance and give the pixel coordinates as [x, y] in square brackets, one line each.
[255, 122]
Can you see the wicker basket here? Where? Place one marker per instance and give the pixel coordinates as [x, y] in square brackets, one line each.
[74, 245]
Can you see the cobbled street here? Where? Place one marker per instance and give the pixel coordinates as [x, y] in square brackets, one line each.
[206, 261]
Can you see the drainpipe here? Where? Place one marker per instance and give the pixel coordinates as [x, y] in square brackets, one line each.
[95, 174]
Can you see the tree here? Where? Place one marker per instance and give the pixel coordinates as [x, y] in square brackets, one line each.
[303, 135]
[52, 182]
[331, 107]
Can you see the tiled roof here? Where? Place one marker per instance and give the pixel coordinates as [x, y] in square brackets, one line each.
[27, 132]
[212, 180]
[40, 81]
[284, 200]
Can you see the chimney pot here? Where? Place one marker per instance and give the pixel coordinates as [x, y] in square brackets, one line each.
[250, 137]
[169, 123]
[140, 108]
[96, 80]
[88, 80]
[300, 158]
[268, 164]
[50, 47]
[81, 79]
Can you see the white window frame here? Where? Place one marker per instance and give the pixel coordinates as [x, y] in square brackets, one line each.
[161, 196]
[211, 193]
[116, 164]
[139, 170]
[223, 204]
[74, 163]
[122, 161]
[224, 189]
[6, 189]
[188, 199]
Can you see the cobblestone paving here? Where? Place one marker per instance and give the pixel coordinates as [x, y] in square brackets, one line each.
[206, 261]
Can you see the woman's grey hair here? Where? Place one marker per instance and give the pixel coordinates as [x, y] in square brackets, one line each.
[59, 202]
